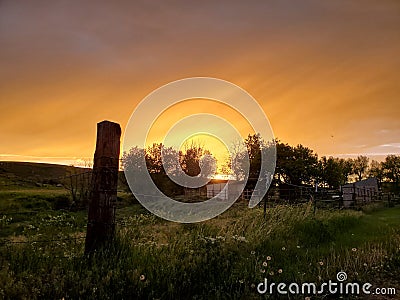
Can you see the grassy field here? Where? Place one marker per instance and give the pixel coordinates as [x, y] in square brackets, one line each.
[223, 258]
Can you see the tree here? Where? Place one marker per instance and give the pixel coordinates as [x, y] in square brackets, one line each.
[158, 170]
[376, 170]
[226, 168]
[164, 163]
[360, 166]
[237, 162]
[208, 164]
[296, 165]
[284, 156]
[161, 159]
[153, 159]
[334, 171]
[347, 168]
[254, 144]
[330, 172]
[305, 165]
[391, 168]
[155, 164]
[195, 159]
[131, 159]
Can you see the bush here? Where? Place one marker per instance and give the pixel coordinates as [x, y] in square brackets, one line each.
[35, 202]
[61, 202]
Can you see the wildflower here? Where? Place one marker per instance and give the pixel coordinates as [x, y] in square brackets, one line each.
[211, 239]
[142, 277]
[262, 270]
[321, 263]
[241, 239]
[241, 280]
[271, 273]
[253, 285]
[265, 264]
[356, 273]
[283, 248]
[253, 252]
[354, 249]
[280, 271]
[269, 258]
[298, 247]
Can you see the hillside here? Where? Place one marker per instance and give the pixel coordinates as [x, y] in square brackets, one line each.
[30, 174]
[16, 175]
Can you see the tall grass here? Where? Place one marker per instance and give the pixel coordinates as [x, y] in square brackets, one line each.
[224, 258]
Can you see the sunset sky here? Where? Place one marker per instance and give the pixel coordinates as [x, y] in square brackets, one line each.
[326, 73]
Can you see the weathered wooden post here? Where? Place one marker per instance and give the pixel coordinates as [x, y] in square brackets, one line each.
[265, 204]
[101, 216]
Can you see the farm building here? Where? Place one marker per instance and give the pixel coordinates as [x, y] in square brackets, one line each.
[217, 186]
[360, 192]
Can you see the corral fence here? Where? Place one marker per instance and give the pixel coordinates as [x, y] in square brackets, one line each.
[323, 198]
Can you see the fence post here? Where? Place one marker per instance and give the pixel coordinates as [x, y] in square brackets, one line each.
[341, 201]
[354, 196]
[265, 204]
[314, 200]
[101, 215]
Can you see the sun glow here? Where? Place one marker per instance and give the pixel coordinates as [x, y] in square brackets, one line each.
[180, 139]
[211, 143]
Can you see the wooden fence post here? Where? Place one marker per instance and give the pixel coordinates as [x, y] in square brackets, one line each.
[265, 204]
[101, 215]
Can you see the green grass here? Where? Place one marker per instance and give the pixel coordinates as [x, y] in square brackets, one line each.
[223, 258]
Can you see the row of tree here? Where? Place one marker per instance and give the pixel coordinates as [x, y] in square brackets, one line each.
[300, 165]
[297, 165]
[163, 162]
[192, 159]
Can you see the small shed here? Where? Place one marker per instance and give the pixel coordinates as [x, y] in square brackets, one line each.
[216, 187]
[360, 192]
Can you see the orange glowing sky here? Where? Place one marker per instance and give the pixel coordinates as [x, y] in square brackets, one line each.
[326, 73]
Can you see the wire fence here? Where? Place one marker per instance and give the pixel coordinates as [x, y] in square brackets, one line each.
[289, 194]
[3, 241]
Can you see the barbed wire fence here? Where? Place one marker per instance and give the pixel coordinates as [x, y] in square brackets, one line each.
[3, 241]
[121, 223]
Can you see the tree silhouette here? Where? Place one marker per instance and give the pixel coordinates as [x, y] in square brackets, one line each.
[334, 171]
[391, 168]
[360, 166]
[296, 165]
[376, 169]
[195, 158]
